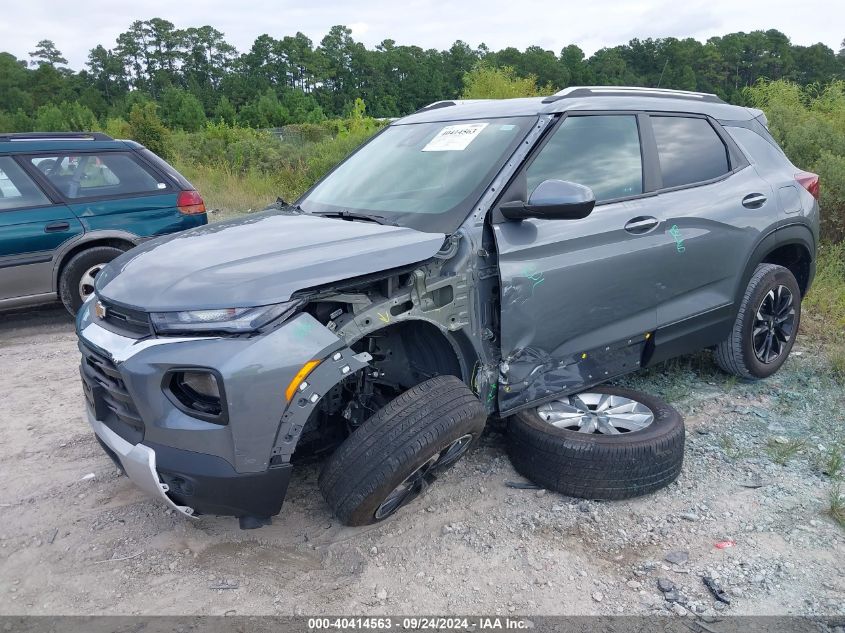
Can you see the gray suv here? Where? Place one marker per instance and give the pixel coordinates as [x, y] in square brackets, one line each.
[474, 259]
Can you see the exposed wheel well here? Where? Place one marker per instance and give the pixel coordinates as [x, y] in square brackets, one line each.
[84, 246]
[794, 257]
[413, 351]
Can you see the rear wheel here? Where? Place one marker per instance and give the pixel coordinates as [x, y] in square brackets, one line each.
[394, 455]
[76, 282]
[765, 327]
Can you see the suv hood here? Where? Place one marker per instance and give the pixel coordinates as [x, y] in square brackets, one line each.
[257, 260]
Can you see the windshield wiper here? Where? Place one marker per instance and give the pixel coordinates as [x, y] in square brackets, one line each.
[353, 215]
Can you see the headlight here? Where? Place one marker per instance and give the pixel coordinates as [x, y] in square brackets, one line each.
[233, 320]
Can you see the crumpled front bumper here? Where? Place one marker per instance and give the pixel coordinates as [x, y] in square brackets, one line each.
[137, 461]
[240, 468]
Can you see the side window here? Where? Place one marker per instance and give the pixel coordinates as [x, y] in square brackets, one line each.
[601, 152]
[689, 149]
[93, 175]
[17, 190]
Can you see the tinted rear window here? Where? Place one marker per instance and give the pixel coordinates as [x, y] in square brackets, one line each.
[91, 175]
[689, 149]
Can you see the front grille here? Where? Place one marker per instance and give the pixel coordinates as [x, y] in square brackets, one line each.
[125, 321]
[107, 394]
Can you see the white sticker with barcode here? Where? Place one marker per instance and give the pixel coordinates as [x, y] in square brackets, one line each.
[454, 138]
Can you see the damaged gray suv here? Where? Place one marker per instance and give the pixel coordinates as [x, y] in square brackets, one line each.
[474, 259]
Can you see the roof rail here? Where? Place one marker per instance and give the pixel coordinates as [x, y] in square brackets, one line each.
[631, 91]
[55, 136]
[436, 105]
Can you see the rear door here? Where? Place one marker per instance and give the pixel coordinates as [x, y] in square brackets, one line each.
[112, 190]
[579, 296]
[32, 226]
[712, 205]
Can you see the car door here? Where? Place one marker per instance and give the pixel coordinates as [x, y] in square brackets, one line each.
[712, 206]
[578, 297]
[112, 191]
[32, 226]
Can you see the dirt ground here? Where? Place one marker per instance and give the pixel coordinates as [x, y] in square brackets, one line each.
[77, 538]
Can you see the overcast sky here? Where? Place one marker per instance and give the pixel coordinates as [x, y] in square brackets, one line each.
[77, 27]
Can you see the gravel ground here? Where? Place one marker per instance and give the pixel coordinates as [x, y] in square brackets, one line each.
[77, 538]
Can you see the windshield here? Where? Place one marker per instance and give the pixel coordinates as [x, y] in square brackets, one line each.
[425, 176]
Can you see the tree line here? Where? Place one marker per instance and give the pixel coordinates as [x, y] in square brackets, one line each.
[194, 75]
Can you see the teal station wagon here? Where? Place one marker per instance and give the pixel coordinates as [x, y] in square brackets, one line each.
[72, 202]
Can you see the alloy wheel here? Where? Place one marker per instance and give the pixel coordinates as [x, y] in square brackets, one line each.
[416, 482]
[601, 413]
[774, 324]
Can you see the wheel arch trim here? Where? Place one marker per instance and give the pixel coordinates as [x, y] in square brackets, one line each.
[87, 240]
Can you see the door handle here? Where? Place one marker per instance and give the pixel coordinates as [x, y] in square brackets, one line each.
[641, 224]
[754, 201]
[55, 227]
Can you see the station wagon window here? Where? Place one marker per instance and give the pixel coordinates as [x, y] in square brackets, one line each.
[689, 149]
[17, 190]
[601, 152]
[95, 175]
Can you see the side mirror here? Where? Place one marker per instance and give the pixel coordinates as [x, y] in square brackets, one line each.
[553, 200]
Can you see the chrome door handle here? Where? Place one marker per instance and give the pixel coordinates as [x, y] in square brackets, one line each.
[642, 224]
[754, 201]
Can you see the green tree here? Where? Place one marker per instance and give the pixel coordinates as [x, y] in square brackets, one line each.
[146, 127]
[46, 53]
[224, 111]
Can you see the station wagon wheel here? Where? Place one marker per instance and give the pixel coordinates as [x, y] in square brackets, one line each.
[766, 324]
[79, 273]
[86, 283]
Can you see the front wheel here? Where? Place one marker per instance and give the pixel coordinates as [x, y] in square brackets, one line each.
[76, 282]
[391, 458]
[765, 327]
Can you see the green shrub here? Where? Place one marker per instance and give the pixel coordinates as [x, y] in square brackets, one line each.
[809, 124]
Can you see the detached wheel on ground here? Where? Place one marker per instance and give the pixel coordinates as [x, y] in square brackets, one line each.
[76, 282]
[395, 454]
[766, 324]
[608, 443]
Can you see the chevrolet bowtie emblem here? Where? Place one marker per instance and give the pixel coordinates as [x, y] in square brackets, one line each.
[100, 310]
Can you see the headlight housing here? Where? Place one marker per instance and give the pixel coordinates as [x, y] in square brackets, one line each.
[232, 320]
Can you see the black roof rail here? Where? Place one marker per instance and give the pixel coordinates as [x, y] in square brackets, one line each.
[625, 91]
[435, 106]
[50, 136]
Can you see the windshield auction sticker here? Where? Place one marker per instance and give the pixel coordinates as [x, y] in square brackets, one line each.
[454, 138]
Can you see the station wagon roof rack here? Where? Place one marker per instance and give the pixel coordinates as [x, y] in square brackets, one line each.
[55, 136]
[630, 91]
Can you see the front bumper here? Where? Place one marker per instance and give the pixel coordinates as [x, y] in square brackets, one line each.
[193, 483]
[196, 466]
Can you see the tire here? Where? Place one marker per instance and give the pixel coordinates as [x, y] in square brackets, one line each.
[596, 465]
[736, 354]
[395, 450]
[74, 270]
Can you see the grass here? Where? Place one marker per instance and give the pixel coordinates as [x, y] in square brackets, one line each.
[730, 448]
[823, 309]
[836, 509]
[830, 463]
[233, 193]
[780, 452]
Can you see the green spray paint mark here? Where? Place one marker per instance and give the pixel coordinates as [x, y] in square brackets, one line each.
[675, 232]
[491, 393]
